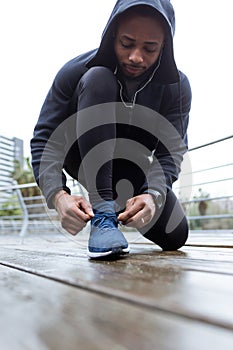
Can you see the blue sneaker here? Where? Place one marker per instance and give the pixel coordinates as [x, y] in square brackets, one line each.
[105, 238]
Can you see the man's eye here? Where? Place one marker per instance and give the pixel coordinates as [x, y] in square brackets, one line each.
[151, 50]
[126, 45]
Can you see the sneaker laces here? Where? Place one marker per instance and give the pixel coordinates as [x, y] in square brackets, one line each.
[105, 220]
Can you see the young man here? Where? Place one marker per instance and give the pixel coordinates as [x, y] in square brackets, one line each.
[116, 120]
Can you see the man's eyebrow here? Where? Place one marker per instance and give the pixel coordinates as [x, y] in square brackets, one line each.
[125, 36]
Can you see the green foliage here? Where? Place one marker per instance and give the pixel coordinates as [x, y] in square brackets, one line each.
[24, 175]
[10, 207]
[9, 204]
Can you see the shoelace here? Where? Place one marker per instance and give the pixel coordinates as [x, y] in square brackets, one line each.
[105, 220]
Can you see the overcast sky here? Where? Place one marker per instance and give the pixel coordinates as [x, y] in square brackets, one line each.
[38, 37]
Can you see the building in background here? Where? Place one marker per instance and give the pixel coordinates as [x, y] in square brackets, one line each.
[11, 150]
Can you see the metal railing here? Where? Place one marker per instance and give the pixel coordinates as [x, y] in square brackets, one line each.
[23, 214]
[28, 214]
[212, 211]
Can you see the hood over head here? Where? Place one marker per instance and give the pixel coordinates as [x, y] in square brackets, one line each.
[167, 72]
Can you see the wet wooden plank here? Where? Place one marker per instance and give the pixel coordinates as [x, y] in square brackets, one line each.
[179, 283]
[40, 314]
[201, 258]
[211, 239]
[196, 239]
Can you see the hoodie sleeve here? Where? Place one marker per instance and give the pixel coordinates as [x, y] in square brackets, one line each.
[173, 141]
[48, 142]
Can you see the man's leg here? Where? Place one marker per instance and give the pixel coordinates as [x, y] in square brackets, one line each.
[96, 128]
[170, 230]
[97, 125]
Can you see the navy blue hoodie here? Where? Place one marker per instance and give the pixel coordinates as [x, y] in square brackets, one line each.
[168, 93]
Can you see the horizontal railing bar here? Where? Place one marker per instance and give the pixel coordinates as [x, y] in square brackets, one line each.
[205, 199]
[205, 183]
[207, 169]
[21, 186]
[217, 216]
[10, 208]
[14, 187]
[33, 184]
[211, 143]
[30, 216]
[6, 199]
[38, 205]
[33, 198]
[52, 213]
[13, 217]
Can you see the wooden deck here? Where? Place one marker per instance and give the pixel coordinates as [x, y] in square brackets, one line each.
[53, 298]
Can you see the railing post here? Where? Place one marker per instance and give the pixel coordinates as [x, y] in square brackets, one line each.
[24, 210]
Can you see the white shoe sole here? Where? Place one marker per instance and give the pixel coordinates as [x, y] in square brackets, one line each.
[117, 251]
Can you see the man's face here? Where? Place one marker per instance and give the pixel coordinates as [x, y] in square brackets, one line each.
[138, 43]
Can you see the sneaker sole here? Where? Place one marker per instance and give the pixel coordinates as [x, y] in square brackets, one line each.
[115, 251]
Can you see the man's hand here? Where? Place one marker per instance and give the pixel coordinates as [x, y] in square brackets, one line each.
[139, 211]
[74, 211]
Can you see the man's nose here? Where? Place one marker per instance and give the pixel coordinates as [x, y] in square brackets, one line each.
[136, 56]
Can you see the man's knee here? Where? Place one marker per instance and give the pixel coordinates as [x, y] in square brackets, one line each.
[170, 229]
[101, 83]
[177, 238]
[169, 241]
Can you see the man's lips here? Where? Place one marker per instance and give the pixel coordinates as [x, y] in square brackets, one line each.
[133, 69]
